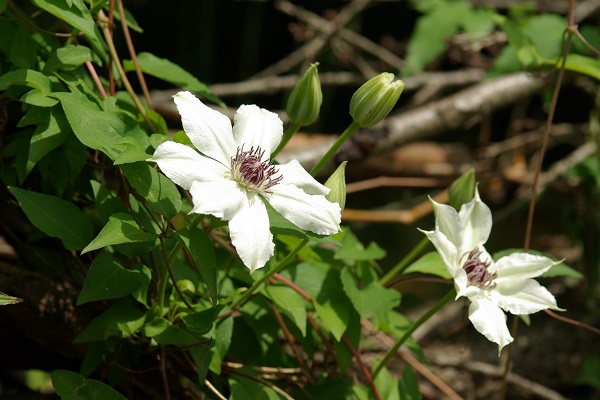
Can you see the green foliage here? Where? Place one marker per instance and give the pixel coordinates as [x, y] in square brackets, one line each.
[5, 299]
[72, 386]
[55, 217]
[441, 20]
[169, 291]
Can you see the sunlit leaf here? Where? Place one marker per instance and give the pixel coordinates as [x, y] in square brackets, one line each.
[121, 228]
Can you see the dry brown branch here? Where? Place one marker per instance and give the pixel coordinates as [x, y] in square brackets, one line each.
[413, 362]
[525, 385]
[309, 50]
[453, 112]
[394, 216]
[348, 35]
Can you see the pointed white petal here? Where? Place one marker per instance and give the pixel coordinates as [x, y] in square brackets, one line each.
[184, 165]
[476, 221]
[257, 127]
[519, 266]
[449, 224]
[490, 321]
[222, 198]
[250, 235]
[294, 174]
[447, 250]
[522, 297]
[309, 212]
[209, 130]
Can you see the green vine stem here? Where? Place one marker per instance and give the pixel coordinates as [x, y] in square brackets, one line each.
[133, 54]
[257, 284]
[404, 262]
[292, 128]
[104, 23]
[534, 186]
[338, 143]
[442, 302]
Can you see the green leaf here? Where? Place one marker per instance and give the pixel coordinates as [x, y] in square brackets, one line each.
[462, 190]
[164, 69]
[409, 385]
[352, 250]
[97, 129]
[110, 323]
[223, 334]
[107, 279]
[55, 217]
[121, 228]
[73, 386]
[3, 4]
[430, 263]
[27, 77]
[202, 322]
[6, 299]
[444, 19]
[157, 189]
[291, 303]
[49, 134]
[244, 388]
[68, 58]
[584, 65]
[363, 297]
[77, 15]
[519, 41]
[387, 385]
[560, 269]
[164, 332]
[203, 253]
[589, 374]
[37, 98]
[23, 49]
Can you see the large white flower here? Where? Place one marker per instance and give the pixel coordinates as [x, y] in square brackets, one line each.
[234, 174]
[490, 286]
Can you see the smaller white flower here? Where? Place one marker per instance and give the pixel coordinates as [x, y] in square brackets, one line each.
[232, 176]
[490, 286]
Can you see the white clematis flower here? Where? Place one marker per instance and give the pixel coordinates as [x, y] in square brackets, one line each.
[490, 286]
[233, 174]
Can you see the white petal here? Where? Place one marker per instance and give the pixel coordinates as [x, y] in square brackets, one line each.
[490, 321]
[222, 198]
[447, 250]
[476, 221]
[522, 297]
[209, 130]
[309, 212]
[519, 266]
[294, 174]
[257, 127]
[449, 224]
[250, 235]
[183, 165]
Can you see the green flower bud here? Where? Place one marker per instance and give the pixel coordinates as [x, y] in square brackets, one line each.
[374, 100]
[306, 98]
[337, 185]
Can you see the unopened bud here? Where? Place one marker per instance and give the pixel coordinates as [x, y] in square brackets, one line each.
[374, 100]
[305, 100]
[337, 185]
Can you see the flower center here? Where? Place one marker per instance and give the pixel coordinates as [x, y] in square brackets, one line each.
[251, 172]
[477, 271]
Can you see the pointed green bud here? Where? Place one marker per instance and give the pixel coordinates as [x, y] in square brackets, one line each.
[462, 190]
[337, 185]
[374, 100]
[305, 100]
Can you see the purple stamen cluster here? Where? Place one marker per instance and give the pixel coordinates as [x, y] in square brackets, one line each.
[477, 271]
[252, 172]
